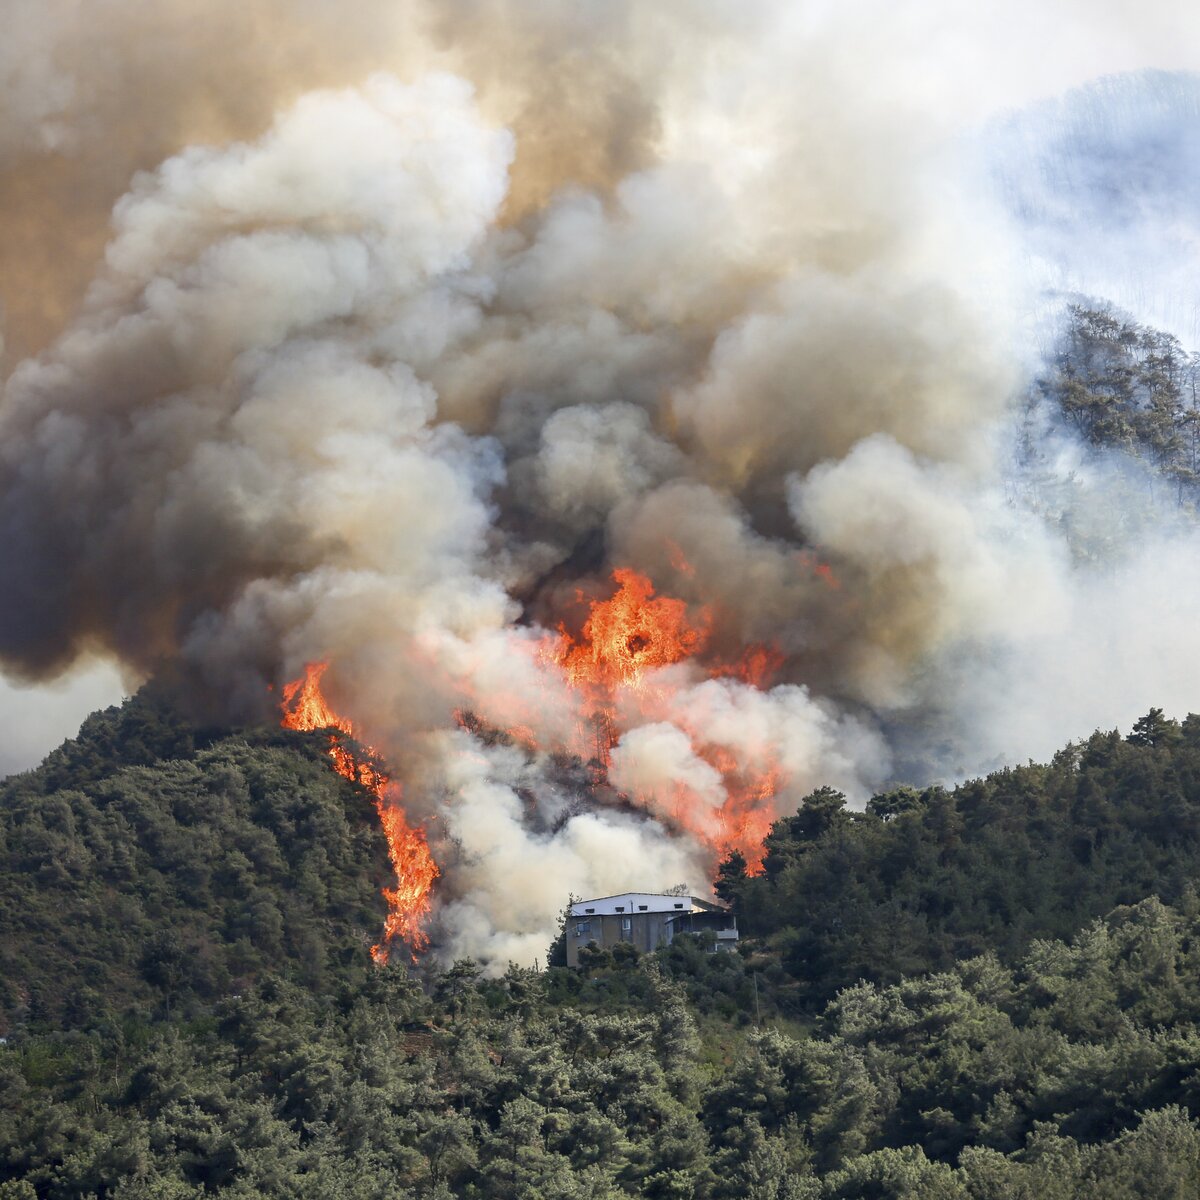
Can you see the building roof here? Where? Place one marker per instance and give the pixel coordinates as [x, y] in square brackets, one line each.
[635, 902]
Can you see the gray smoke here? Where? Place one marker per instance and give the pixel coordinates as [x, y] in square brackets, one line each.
[391, 346]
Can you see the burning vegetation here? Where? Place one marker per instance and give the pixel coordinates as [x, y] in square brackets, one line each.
[305, 708]
[616, 671]
[617, 668]
[629, 634]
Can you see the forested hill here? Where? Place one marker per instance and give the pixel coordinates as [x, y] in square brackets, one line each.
[922, 879]
[966, 993]
[1121, 385]
[1119, 402]
[148, 864]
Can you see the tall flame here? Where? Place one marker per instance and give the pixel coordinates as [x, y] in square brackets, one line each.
[625, 638]
[632, 632]
[614, 669]
[305, 708]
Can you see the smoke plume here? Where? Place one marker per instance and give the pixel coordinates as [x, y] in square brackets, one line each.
[383, 339]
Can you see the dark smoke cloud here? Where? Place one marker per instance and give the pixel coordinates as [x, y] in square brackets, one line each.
[377, 339]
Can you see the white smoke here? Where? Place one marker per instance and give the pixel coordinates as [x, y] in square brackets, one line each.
[512, 878]
[391, 360]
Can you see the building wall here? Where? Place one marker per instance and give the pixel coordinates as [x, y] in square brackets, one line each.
[646, 931]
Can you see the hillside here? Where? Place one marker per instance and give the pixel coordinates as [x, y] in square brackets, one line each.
[209, 1022]
[147, 864]
[923, 879]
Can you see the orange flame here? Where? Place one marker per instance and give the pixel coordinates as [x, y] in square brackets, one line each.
[757, 666]
[822, 570]
[305, 708]
[628, 635]
[613, 669]
[633, 631]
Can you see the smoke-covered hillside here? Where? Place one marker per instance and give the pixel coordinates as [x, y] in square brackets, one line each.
[512, 451]
[615, 384]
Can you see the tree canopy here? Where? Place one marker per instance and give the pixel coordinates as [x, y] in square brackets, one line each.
[985, 992]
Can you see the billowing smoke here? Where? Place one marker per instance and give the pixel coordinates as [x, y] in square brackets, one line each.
[382, 340]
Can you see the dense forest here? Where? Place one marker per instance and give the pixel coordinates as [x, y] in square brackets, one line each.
[160, 864]
[988, 992]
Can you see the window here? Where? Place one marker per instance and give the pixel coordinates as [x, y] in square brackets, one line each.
[589, 910]
[626, 924]
[620, 908]
[642, 907]
[582, 927]
[679, 906]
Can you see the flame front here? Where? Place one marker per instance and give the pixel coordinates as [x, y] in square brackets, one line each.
[616, 671]
[305, 708]
[624, 640]
[630, 633]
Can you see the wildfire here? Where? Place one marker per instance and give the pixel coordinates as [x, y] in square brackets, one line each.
[630, 634]
[757, 666]
[633, 631]
[305, 708]
[613, 669]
